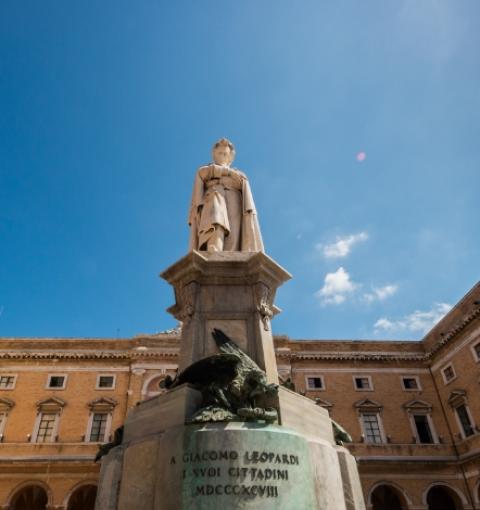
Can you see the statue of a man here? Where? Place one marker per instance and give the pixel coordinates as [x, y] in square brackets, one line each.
[222, 213]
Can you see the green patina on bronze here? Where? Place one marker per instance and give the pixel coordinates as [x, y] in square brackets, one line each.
[233, 386]
[246, 466]
[340, 434]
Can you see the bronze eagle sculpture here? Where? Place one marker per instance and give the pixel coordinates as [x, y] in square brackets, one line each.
[233, 386]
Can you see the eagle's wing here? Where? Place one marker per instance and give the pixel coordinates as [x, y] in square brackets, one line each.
[219, 368]
[228, 346]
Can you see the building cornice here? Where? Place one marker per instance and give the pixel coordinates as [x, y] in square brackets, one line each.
[351, 356]
[173, 354]
[89, 355]
[454, 332]
[287, 349]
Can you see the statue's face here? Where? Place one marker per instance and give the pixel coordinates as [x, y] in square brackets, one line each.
[222, 155]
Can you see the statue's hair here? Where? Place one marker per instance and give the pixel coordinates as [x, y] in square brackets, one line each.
[227, 143]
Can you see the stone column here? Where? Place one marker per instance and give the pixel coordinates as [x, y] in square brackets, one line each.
[231, 291]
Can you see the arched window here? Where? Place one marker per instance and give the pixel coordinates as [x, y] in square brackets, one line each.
[386, 497]
[154, 387]
[83, 498]
[31, 497]
[443, 498]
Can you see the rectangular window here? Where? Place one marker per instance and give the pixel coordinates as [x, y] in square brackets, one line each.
[371, 427]
[46, 428]
[56, 382]
[315, 383]
[363, 383]
[465, 421]
[448, 374]
[7, 382]
[105, 382]
[410, 383]
[424, 433]
[99, 426]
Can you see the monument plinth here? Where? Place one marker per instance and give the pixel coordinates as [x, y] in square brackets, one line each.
[225, 435]
[231, 291]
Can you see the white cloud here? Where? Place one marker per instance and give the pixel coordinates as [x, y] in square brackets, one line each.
[380, 293]
[342, 246]
[385, 325]
[336, 288]
[416, 322]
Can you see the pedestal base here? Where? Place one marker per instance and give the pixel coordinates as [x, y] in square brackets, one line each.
[235, 465]
[167, 465]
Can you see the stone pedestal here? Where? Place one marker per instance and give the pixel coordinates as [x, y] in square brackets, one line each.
[231, 291]
[164, 464]
[167, 463]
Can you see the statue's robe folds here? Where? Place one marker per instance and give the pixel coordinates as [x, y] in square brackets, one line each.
[222, 198]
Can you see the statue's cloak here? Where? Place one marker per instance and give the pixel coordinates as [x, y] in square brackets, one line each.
[251, 238]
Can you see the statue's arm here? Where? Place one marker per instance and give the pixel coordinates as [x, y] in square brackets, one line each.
[197, 196]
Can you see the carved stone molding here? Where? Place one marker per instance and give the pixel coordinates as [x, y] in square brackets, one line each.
[52, 404]
[368, 405]
[263, 304]
[6, 404]
[184, 307]
[104, 404]
[417, 405]
[187, 302]
[457, 397]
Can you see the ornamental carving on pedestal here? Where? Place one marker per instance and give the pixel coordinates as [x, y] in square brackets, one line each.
[263, 304]
[186, 302]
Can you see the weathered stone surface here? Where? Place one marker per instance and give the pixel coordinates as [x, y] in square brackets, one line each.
[327, 477]
[235, 466]
[162, 412]
[233, 328]
[168, 485]
[138, 476]
[206, 467]
[352, 488]
[304, 416]
[232, 291]
[110, 478]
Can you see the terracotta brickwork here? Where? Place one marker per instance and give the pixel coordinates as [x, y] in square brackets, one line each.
[414, 426]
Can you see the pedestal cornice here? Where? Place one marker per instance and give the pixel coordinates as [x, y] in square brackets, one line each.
[226, 268]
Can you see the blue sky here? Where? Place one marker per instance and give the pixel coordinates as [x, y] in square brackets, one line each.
[356, 122]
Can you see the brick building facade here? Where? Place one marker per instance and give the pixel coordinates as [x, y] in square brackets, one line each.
[412, 409]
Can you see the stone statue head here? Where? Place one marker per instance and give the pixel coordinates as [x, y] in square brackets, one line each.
[223, 152]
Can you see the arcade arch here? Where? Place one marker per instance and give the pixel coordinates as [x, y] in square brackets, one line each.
[386, 496]
[29, 496]
[441, 496]
[82, 497]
